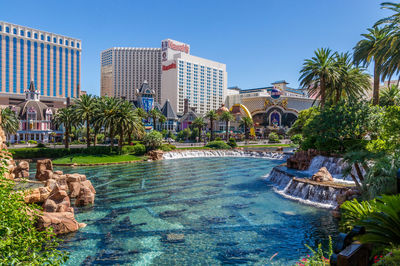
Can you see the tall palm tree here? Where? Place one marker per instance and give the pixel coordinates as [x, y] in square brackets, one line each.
[352, 80]
[161, 120]
[247, 123]
[226, 117]
[154, 114]
[390, 96]
[370, 49]
[199, 123]
[212, 116]
[9, 121]
[126, 120]
[107, 115]
[85, 109]
[318, 72]
[140, 112]
[66, 117]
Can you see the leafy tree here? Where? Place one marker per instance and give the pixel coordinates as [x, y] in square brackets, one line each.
[20, 242]
[66, 117]
[226, 117]
[152, 140]
[199, 123]
[212, 116]
[85, 109]
[162, 119]
[9, 121]
[369, 50]
[304, 117]
[246, 123]
[127, 121]
[107, 115]
[140, 112]
[155, 114]
[318, 72]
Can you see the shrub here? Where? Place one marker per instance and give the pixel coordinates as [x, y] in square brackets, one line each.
[21, 242]
[27, 153]
[217, 144]
[32, 141]
[218, 139]
[41, 145]
[273, 137]
[232, 143]
[138, 149]
[318, 257]
[22, 142]
[297, 139]
[152, 140]
[167, 147]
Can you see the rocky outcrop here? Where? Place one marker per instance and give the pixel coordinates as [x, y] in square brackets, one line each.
[322, 175]
[155, 155]
[37, 195]
[58, 201]
[22, 170]
[44, 170]
[85, 197]
[61, 222]
[301, 159]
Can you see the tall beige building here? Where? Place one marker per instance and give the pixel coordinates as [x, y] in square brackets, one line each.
[50, 60]
[123, 70]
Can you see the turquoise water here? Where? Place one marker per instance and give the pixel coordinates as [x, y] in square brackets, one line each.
[225, 211]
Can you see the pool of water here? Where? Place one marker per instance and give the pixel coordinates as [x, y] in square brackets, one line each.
[225, 211]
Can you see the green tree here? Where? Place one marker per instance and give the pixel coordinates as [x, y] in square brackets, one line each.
[126, 121]
[390, 96]
[199, 123]
[246, 123]
[161, 120]
[140, 112]
[212, 116]
[318, 72]
[370, 50]
[152, 140]
[66, 117]
[107, 115]
[85, 109]
[154, 114]
[9, 121]
[226, 117]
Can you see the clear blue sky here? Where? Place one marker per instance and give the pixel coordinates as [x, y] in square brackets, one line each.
[260, 41]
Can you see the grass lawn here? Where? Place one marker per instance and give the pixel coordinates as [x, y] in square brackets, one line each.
[265, 145]
[93, 159]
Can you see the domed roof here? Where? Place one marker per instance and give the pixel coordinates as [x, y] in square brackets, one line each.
[222, 109]
[33, 106]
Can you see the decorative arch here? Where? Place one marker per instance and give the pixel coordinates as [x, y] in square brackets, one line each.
[248, 114]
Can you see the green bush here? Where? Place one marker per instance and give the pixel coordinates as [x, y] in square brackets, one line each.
[28, 153]
[218, 139]
[138, 149]
[21, 242]
[32, 141]
[273, 137]
[232, 143]
[22, 142]
[297, 139]
[167, 147]
[152, 140]
[217, 144]
[319, 257]
[41, 145]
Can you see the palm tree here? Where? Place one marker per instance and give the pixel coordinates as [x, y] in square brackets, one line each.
[247, 123]
[85, 108]
[371, 48]
[107, 115]
[212, 116]
[226, 117]
[318, 72]
[66, 117]
[390, 96]
[154, 114]
[199, 123]
[140, 112]
[126, 120]
[9, 121]
[352, 81]
[162, 119]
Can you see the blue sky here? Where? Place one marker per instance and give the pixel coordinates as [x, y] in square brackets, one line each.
[260, 41]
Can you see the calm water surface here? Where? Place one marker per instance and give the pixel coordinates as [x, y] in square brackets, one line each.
[226, 212]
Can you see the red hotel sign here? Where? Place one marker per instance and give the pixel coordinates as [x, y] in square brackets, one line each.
[178, 47]
[171, 66]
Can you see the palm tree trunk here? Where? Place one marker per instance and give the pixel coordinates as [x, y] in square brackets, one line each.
[199, 134]
[66, 137]
[227, 130]
[154, 123]
[337, 95]
[129, 138]
[212, 129]
[322, 91]
[246, 133]
[112, 137]
[375, 95]
[87, 132]
[121, 138]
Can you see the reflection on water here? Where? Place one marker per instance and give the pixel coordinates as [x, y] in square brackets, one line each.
[202, 211]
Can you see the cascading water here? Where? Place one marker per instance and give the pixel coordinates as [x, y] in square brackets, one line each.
[222, 153]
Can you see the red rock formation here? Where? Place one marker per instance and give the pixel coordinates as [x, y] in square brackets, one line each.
[301, 159]
[155, 155]
[61, 222]
[44, 170]
[322, 175]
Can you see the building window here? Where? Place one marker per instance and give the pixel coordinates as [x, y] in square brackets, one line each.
[48, 38]
[66, 42]
[35, 63]
[7, 63]
[42, 68]
[55, 40]
[60, 74]
[21, 88]
[0, 28]
[7, 30]
[22, 33]
[48, 70]
[72, 43]
[66, 72]
[77, 72]
[61, 41]
[28, 43]
[54, 70]
[14, 65]
[15, 31]
[72, 73]
[35, 35]
[28, 34]
[42, 37]
[77, 44]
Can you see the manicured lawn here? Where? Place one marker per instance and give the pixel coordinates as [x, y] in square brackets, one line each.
[92, 159]
[265, 145]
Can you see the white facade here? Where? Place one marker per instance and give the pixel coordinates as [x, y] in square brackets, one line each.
[123, 70]
[203, 82]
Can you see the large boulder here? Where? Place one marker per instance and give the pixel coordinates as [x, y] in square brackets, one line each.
[61, 222]
[76, 182]
[44, 170]
[22, 170]
[85, 197]
[301, 159]
[322, 175]
[58, 201]
[155, 155]
[37, 195]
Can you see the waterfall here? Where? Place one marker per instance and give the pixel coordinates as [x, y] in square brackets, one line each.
[303, 190]
[222, 153]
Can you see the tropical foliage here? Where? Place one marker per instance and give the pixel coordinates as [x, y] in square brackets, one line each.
[9, 121]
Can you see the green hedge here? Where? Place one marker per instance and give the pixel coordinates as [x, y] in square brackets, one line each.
[28, 153]
[167, 147]
[232, 143]
[138, 149]
[217, 144]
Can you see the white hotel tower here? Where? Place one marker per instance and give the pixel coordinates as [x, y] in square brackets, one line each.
[171, 71]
